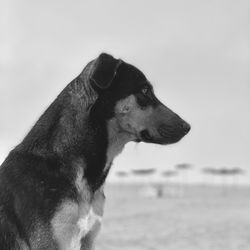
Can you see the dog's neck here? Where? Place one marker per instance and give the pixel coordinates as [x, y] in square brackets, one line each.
[117, 139]
[66, 133]
[106, 142]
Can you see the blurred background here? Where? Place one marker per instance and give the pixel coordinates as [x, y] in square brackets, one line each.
[193, 194]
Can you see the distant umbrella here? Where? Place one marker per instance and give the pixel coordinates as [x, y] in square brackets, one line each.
[183, 166]
[169, 173]
[223, 171]
[232, 171]
[146, 171]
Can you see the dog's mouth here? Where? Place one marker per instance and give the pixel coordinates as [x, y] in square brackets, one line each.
[145, 136]
[163, 139]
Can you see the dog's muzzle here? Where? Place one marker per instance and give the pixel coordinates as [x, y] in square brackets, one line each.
[166, 133]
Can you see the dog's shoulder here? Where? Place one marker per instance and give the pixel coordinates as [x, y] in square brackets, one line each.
[30, 189]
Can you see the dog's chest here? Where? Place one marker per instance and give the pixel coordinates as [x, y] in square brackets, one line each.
[74, 221]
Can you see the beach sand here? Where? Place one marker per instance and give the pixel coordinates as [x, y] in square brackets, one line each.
[185, 218]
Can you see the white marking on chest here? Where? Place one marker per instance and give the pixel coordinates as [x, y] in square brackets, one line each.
[71, 223]
[85, 224]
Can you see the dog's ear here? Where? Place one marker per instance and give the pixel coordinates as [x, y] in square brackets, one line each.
[105, 71]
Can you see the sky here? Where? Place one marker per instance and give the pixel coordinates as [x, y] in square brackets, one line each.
[195, 53]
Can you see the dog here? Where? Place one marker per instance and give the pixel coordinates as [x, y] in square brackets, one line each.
[51, 184]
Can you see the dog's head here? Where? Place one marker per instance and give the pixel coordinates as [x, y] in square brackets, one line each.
[124, 94]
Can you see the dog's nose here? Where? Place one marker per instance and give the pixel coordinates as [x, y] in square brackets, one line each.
[186, 127]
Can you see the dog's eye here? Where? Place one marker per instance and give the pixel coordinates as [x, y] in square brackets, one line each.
[145, 90]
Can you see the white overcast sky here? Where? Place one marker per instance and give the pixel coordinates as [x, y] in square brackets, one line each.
[196, 54]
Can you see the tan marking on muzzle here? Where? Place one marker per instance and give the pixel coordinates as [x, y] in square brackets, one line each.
[133, 118]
